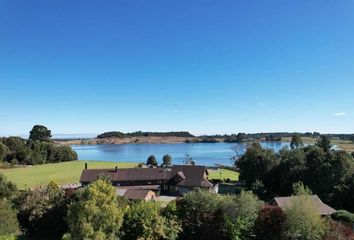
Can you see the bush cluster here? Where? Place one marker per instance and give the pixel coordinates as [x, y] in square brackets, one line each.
[16, 150]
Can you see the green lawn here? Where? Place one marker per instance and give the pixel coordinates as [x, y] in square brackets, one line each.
[61, 173]
[225, 174]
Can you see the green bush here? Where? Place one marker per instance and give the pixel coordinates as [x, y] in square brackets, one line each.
[143, 220]
[9, 225]
[342, 215]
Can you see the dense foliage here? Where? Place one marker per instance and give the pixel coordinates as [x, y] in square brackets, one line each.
[202, 140]
[16, 150]
[96, 213]
[205, 215]
[42, 211]
[151, 161]
[8, 221]
[296, 142]
[303, 221]
[7, 188]
[345, 216]
[166, 160]
[40, 133]
[328, 173]
[270, 223]
[143, 220]
[144, 134]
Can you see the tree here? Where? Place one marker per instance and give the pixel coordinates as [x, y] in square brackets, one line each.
[197, 211]
[166, 160]
[270, 223]
[61, 153]
[4, 150]
[143, 220]
[296, 142]
[290, 169]
[303, 221]
[7, 189]
[96, 214]
[151, 161]
[9, 225]
[300, 189]
[255, 163]
[40, 133]
[324, 142]
[42, 212]
[239, 215]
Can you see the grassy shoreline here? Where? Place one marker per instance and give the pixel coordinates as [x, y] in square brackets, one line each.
[60, 173]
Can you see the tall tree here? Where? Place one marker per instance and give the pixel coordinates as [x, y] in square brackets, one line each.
[4, 150]
[151, 161]
[255, 163]
[324, 142]
[166, 160]
[40, 133]
[296, 142]
[96, 214]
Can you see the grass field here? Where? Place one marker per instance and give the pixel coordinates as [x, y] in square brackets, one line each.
[225, 174]
[60, 173]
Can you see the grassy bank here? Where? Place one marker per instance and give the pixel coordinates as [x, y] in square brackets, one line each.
[225, 174]
[61, 173]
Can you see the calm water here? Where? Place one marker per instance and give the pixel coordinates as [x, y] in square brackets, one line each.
[203, 153]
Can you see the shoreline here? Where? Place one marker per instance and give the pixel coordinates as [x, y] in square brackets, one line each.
[345, 145]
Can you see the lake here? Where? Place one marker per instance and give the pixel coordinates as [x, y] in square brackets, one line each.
[203, 153]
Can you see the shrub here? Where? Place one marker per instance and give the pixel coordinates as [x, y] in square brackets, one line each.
[42, 212]
[239, 215]
[7, 189]
[143, 220]
[303, 221]
[270, 222]
[9, 225]
[339, 231]
[95, 214]
[197, 211]
[342, 215]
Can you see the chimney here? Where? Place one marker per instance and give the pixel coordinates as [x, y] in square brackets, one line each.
[85, 165]
[116, 169]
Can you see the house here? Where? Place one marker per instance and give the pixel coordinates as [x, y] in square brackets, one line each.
[173, 180]
[137, 194]
[284, 202]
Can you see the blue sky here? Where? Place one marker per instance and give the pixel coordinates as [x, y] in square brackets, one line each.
[201, 66]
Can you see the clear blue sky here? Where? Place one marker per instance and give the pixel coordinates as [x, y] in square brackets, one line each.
[201, 66]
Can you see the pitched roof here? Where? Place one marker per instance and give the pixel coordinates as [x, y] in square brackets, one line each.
[194, 176]
[323, 209]
[135, 194]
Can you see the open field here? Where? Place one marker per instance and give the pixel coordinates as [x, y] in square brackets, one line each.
[60, 173]
[225, 174]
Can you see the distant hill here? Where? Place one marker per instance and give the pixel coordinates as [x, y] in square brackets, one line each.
[144, 134]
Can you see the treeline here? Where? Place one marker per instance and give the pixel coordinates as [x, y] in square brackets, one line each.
[38, 149]
[276, 136]
[96, 212]
[327, 172]
[144, 134]
[202, 140]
